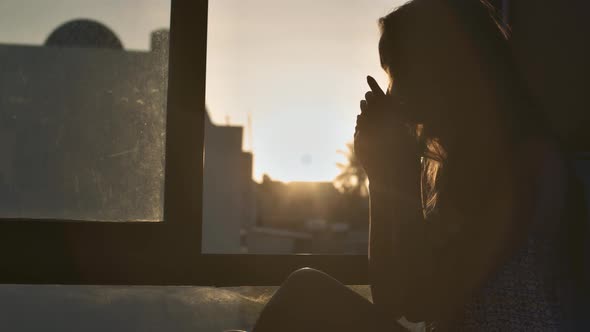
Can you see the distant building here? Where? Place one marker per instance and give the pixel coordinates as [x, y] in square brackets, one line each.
[276, 241]
[308, 217]
[228, 189]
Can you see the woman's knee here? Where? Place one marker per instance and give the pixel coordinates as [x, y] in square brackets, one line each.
[309, 279]
[294, 294]
[305, 275]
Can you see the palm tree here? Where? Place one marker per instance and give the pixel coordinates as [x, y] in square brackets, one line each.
[352, 178]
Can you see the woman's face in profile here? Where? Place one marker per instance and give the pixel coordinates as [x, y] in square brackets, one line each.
[397, 88]
[402, 98]
[415, 91]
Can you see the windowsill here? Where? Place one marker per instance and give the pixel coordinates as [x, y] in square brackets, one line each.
[133, 308]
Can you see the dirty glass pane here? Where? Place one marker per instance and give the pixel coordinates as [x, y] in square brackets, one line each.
[284, 81]
[83, 90]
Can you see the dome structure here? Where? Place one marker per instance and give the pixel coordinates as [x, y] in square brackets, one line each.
[84, 33]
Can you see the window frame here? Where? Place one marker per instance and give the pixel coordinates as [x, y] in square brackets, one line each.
[34, 251]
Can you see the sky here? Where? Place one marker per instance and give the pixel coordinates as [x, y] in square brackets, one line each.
[31, 21]
[297, 68]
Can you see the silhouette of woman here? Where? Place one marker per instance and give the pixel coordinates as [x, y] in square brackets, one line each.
[467, 190]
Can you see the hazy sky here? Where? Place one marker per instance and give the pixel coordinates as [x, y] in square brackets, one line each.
[297, 67]
[31, 21]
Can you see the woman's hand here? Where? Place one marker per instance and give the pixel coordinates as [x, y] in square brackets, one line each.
[382, 140]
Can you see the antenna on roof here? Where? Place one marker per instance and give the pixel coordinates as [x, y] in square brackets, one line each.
[249, 133]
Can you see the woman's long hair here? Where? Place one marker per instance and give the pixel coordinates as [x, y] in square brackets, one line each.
[457, 43]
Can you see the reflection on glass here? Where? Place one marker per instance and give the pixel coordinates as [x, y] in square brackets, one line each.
[82, 115]
[284, 80]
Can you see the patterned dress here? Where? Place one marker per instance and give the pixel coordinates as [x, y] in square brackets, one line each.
[523, 296]
[537, 289]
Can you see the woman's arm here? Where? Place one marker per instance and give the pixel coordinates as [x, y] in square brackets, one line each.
[395, 238]
[390, 156]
